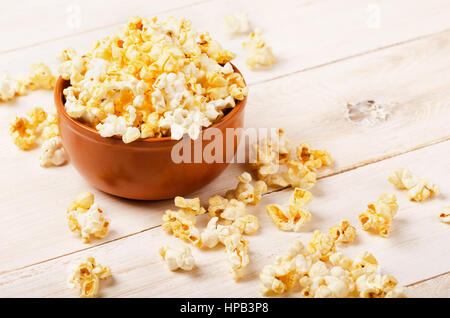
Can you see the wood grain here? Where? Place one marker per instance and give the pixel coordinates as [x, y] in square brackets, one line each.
[417, 248]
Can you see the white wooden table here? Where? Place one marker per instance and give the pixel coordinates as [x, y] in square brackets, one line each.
[329, 53]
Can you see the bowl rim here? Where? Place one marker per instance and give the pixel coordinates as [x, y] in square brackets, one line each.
[58, 97]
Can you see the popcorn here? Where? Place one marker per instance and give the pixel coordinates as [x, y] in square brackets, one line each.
[236, 23]
[86, 277]
[23, 133]
[227, 210]
[313, 159]
[181, 223]
[8, 87]
[335, 276]
[178, 257]
[50, 128]
[321, 244]
[39, 77]
[210, 235]
[379, 215]
[236, 249]
[84, 216]
[152, 78]
[342, 233]
[247, 224]
[281, 276]
[245, 192]
[444, 216]
[274, 154]
[53, 153]
[294, 216]
[260, 53]
[419, 189]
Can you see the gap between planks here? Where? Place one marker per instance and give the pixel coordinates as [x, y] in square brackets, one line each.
[356, 166]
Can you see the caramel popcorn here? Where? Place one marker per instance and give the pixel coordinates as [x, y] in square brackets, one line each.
[152, 78]
[84, 216]
[260, 53]
[86, 277]
[236, 248]
[342, 233]
[419, 189]
[379, 215]
[236, 24]
[181, 223]
[444, 216]
[293, 217]
[179, 257]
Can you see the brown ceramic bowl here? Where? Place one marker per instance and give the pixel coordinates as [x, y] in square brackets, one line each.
[142, 169]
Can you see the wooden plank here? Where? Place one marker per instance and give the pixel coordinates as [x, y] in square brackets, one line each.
[303, 34]
[417, 248]
[438, 287]
[27, 23]
[415, 75]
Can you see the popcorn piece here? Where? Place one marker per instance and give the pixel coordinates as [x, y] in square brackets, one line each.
[342, 233]
[227, 210]
[210, 236]
[378, 286]
[53, 153]
[84, 216]
[22, 132]
[152, 78]
[419, 189]
[236, 249]
[379, 215]
[50, 128]
[247, 224]
[281, 276]
[181, 223]
[444, 217]
[313, 159]
[86, 277]
[178, 257]
[39, 77]
[245, 192]
[236, 24]
[260, 53]
[322, 244]
[294, 216]
[8, 87]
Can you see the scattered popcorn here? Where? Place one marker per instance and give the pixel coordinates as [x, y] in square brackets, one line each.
[236, 249]
[379, 215]
[86, 277]
[342, 233]
[322, 244]
[419, 189]
[178, 257]
[152, 78]
[293, 217]
[247, 224]
[226, 210]
[39, 77]
[236, 24]
[260, 53]
[53, 153]
[272, 155]
[444, 217]
[181, 223]
[84, 216]
[336, 276]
